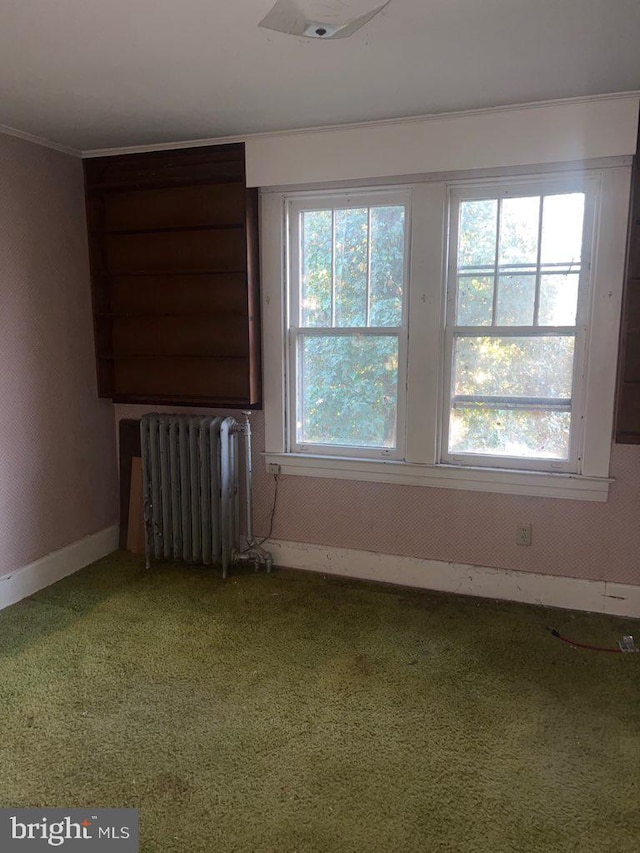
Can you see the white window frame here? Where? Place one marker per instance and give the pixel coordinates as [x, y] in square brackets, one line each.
[295, 205]
[422, 464]
[590, 186]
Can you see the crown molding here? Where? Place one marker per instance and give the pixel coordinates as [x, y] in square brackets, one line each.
[39, 140]
[222, 140]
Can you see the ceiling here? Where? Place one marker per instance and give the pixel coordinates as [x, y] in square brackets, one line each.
[106, 73]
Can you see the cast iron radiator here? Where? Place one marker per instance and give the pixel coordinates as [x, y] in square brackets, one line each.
[190, 486]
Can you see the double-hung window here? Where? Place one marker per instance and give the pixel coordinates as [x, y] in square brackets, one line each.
[347, 324]
[448, 332]
[516, 325]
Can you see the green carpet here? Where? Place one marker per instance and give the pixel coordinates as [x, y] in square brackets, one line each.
[292, 713]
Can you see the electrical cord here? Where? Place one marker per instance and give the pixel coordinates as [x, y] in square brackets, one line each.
[276, 477]
[576, 645]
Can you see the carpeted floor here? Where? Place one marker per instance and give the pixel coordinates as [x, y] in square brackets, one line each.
[293, 713]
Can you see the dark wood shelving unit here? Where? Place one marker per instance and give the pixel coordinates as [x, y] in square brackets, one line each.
[173, 240]
[628, 391]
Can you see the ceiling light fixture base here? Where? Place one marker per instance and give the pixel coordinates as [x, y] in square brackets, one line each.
[320, 19]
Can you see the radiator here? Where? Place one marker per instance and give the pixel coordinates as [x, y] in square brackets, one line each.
[190, 485]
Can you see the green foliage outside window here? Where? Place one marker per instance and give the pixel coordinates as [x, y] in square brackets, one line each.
[516, 367]
[352, 276]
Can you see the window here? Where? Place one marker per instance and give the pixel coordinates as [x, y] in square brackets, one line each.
[517, 311]
[347, 324]
[450, 333]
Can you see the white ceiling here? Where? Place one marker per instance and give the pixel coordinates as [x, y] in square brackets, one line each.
[102, 73]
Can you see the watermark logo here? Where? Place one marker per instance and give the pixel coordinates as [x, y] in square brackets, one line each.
[72, 830]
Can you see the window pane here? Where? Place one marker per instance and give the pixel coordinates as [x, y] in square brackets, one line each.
[387, 266]
[514, 367]
[475, 300]
[519, 224]
[348, 390]
[532, 434]
[351, 252]
[477, 240]
[315, 297]
[562, 220]
[516, 299]
[558, 300]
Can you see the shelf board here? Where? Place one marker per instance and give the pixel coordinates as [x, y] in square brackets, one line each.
[177, 400]
[171, 356]
[146, 315]
[162, 183]
[628, 437]
[174, 229]
[168, 272]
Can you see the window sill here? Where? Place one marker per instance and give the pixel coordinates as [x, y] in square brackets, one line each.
[532, 483]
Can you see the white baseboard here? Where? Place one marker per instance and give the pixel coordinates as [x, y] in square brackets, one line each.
[464, 579]
[54, 567]
[481, 581]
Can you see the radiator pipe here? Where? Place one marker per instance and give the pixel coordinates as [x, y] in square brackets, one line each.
[146, 491]
[248, 480]
[253, 552]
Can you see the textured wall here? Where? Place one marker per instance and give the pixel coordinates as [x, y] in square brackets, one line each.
[598, 541]
[57, 449]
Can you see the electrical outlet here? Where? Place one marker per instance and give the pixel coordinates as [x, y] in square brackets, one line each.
[273, 468]
[523, 534]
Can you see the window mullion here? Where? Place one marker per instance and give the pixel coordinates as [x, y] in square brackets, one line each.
[426, 328]
[536, 298]
[368, 294]
[333, 267]
[293, 388]
[494, 307]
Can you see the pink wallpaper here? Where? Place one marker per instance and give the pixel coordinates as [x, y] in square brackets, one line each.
[58, 479]
[598, 541]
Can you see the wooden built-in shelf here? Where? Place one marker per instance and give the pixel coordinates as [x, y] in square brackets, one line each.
[173, 238]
